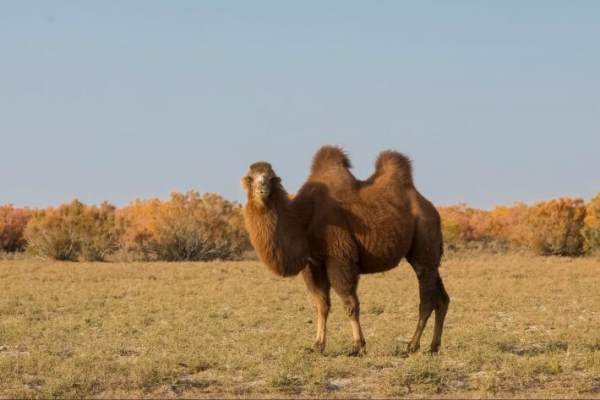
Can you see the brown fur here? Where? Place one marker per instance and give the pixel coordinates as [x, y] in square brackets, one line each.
[338, 227]
[275, 228]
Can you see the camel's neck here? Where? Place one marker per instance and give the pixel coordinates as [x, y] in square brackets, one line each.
[277, 234]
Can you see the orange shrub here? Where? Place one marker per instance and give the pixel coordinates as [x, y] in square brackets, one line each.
[501, 229]
[189, 226]
[591, 229]
[192, 226]
[555, 227]
[12, 227]
[462, 225]
[508, 225]
[72, 232]
[138, 226]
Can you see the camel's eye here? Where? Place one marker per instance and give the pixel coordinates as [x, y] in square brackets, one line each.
[275, 179]
[248, 179]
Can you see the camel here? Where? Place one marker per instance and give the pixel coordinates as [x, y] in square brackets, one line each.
[338, 227]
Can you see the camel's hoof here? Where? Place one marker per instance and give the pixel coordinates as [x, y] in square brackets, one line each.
[319, 347]
[412, 348]
[356, 352]
[434, 349]
[358, 349]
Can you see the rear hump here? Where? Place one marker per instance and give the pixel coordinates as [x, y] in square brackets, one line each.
[394, 163]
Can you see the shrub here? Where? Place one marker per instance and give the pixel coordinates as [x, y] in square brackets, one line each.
[464, 226]
[555, 227]
[12, 227]
[508, 225]
[451, 232]
[189, 226]
[591, 229]
[137, 226]
[456, 224]
[72, 232]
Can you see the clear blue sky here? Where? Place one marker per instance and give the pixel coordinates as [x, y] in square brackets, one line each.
[116, 100]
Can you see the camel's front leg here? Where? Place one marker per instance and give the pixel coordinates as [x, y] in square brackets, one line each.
[318, 285]
[344, 280]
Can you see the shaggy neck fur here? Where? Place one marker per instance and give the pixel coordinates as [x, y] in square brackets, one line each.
[276, 233]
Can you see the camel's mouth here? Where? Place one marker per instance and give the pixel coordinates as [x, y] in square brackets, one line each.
[263, 193]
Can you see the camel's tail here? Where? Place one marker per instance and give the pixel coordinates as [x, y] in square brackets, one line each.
[329, 156]
[392, 162]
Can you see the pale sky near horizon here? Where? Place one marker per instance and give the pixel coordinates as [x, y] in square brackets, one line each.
[495, 102]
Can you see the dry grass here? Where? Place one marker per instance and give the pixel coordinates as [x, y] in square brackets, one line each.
[518, 326]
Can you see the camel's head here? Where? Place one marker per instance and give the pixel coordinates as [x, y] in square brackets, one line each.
[260, 180]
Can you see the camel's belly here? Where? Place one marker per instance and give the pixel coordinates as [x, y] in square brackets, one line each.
[379, 260]
[384, 241]
[374, 268]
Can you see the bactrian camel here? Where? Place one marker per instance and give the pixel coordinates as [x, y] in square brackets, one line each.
[338, 227]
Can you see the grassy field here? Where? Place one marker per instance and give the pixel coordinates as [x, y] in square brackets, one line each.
[518, 326]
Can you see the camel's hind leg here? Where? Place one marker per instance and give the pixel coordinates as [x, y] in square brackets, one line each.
[432, 296]
[318, 285]
[441, 308]
[343, 276]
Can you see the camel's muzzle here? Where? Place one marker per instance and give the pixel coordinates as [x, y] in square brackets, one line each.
[263, 192]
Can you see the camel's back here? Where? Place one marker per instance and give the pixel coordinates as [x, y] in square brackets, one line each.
[372, 222]
[368, 222]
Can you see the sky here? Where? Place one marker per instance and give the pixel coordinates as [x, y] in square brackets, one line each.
[495, 102]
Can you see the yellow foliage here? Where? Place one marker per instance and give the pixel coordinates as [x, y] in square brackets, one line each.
[188, 226]
[509, 224]
[73, 231]
[591, 229]
[137, 225]
[193, 226]
[462, 225]
[12, 226]
[555, 227]
[501, 228]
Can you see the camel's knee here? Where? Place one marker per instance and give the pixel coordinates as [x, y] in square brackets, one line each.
[445, 303]
[427, 305]
[323, 307]
[445, 299]
[440, 303]
[442, 296]
[352, 307]
[351, 311]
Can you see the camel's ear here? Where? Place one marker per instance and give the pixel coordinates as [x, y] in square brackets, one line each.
[246, 182]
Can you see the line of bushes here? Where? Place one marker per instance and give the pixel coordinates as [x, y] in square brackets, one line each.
[191, 226]
[188, 226]
[563, 227]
